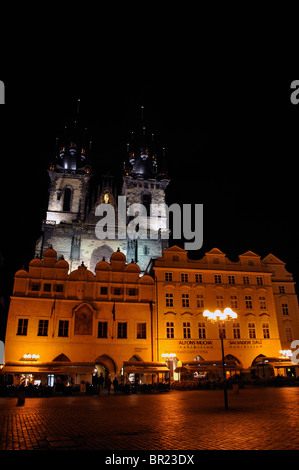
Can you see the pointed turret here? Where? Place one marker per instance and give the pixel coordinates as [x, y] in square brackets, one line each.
[143, 160]
[73, 147]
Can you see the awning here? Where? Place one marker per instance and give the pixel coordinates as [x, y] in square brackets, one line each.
[48, 368]
[140, 367]
[205, 366]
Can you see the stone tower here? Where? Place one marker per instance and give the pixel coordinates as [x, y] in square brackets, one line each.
[71, 216]
[144, 182]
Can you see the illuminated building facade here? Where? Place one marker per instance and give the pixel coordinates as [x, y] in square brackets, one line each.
[260, 291]
[78, 324]
[75, 193]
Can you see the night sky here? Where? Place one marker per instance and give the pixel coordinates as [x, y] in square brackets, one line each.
[229, 128]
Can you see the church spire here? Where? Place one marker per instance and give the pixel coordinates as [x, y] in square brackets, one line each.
[142, 154]
[73, 146]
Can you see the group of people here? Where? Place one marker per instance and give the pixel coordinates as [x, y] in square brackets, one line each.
[108, 383]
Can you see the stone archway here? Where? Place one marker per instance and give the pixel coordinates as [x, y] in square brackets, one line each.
[104, 366]
[98, 254]
[107, 363]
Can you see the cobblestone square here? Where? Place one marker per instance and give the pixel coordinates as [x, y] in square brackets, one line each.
[257, 419]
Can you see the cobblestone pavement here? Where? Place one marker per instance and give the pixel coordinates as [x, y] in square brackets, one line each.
[260, 419]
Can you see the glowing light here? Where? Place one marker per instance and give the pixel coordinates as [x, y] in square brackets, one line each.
[286, 352]
[227, 314]
[31, 356]
[168, 355]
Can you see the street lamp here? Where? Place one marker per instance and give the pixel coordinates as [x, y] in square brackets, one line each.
[226, 315]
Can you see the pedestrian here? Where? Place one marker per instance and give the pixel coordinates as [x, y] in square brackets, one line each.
[115, 385]
[101, 380]
[109, 385]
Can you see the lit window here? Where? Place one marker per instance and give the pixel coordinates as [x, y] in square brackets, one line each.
[219, 301]
[222, 330]
[234, 301]
[169, 300]
[43, 328]
[141, 330]
[251, 330]
[185, 300]
[200, 301]
[102, 329]
[22, 327]
[260, 280]
[122, 330]
[266, 330]
[248, 301]
[263, 303]
[285, 309]
[186, 330]
[202, 330]
[236, 330]
[170, 329]
[63, 329]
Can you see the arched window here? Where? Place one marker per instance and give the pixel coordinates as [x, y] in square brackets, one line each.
[146, 201]
[67, 200]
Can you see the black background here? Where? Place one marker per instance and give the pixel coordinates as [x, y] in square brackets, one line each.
[220, 105]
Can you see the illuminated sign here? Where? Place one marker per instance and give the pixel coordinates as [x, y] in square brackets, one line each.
[30, 357]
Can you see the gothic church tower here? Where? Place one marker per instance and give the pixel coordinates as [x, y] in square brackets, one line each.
[70, 222]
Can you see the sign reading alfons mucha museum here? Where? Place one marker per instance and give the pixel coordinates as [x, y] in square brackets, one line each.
[244, 351]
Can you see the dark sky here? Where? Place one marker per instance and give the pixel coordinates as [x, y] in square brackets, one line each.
[229, 129]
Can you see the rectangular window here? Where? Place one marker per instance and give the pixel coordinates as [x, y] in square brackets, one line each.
[22, 326]
[184, 277]
[104, 290]
[234, 301]
[35, 286]
[285, 309]
[198, 277]
[200, 301]
[217, 278]
[219, 301]
[43, 328]
[263, 303]
[266, 330]
[186, 330]
[222, 330]
[169, 300]
[246, 280]
[122, 330]
[132, 292]
[251, 330]
[168, 277]
[102, 329]
[231, 279]
[289, 334]
[59, 287]
[141, 330]
[281, 289]
[116, 291]
[169, 329]
[202, 330]
[185, 300]
[236, 330]
[47, 287]
[63, 329]
[260, 280]
[248, 301]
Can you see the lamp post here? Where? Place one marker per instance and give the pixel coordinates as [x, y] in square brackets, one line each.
[226, 315]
